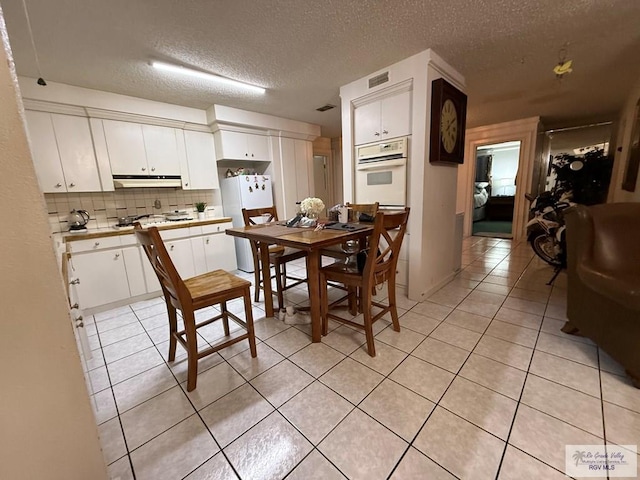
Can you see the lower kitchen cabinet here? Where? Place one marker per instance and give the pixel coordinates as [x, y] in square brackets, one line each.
[115, 269]
[102, 277]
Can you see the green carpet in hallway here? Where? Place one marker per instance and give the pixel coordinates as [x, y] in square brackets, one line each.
[486, 226]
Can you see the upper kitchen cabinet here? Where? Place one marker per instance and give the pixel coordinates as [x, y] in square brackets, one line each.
[382, 119]
[63, 152]
[136, 149]
[241, 146]
[201, 161]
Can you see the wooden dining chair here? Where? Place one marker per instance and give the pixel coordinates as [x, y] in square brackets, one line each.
[212, 288]
[370, 209]
[278, 256]
[380, 266]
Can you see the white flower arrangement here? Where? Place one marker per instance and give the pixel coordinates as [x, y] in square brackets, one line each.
[312, 205]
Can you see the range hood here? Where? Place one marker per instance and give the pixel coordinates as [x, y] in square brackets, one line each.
[139, 181]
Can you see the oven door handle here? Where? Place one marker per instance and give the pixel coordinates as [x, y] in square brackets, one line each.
[382, 164]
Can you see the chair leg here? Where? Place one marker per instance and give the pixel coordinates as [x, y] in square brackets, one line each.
[391, 286]
[173, 328]
[279, 286]
[284, 276]
[192, 349]
[225, 318]
[257, 280]
[353, 300]
[368, 324]
[324, 304]
[249, 321]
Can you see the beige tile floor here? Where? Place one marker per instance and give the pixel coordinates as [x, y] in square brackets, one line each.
[480, 383]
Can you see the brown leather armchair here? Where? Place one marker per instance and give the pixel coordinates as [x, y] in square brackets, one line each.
[603, 264]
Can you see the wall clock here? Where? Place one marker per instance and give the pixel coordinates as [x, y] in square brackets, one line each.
[448, 120]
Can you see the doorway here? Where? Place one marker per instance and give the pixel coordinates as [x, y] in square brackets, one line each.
[494, 189]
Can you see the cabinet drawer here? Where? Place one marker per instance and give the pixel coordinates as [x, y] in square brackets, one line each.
[216, 228]
[93, 244]
[174, 233]
[128, 240]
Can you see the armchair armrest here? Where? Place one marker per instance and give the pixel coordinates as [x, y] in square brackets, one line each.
[620, 287]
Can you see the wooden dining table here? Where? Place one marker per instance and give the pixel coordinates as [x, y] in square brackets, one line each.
[309, 239]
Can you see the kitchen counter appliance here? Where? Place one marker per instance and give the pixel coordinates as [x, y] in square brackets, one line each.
[78, 220]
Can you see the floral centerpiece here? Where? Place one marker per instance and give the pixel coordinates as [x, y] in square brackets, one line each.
[312, 207]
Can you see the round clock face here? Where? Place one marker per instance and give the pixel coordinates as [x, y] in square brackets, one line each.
[449, 126]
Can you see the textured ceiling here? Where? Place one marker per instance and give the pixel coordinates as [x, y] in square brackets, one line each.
[302, 51]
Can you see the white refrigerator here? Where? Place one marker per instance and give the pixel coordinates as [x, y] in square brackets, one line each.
[245, 191]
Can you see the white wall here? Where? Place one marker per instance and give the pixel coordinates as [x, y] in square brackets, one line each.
[47, 428]
[504, 168]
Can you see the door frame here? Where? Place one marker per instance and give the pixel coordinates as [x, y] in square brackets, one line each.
[525, 131]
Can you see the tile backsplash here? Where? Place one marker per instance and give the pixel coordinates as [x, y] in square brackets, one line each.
[106, 207]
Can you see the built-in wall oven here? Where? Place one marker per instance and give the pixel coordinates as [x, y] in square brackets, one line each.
[381, 173]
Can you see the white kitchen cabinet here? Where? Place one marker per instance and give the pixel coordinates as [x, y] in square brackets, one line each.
[181, 254]
[382, 119]
[241, 146]
[136, 149]
[161, 149]
[219, 249]
[63, 152]
[201, 161]
[297, 168]
[135, 272]
[102, 277]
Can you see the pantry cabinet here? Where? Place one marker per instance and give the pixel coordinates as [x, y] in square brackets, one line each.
[297, 168]
[241, 146]
[389, 117]
[63, 153]
[136, 149]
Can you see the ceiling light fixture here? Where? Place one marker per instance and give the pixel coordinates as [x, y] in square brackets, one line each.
[205, 76]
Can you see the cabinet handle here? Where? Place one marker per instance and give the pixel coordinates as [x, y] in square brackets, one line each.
[79, 322]
[207, 241]
[96, 245]
[153, 169]
[377, 134]
[186, 184]
[385, 132]
[172, 247]
[117, 255]
[75, 281]
[58, 185]
[75, 305]
[144, 169]
[72, 185]
[252, 154]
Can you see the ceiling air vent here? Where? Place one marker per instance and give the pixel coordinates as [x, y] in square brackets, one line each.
[378, 79]
[326, 107]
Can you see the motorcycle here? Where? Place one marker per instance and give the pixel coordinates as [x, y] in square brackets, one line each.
[546, 228]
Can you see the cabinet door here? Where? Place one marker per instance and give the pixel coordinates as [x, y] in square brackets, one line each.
[201, 160]
[258, 147]
[77, 156]
[199, 260]
[44, 150]
[231, 145]
[161, 150]
[135, 272]
[304, 174]
[150, 277]
[103, 277]
[125, 145]
[220, 252]
[396, 115]
[181, 254]
[366, 119]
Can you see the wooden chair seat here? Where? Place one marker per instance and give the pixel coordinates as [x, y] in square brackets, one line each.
[380, 267]
[279, 256]
[192, 294]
